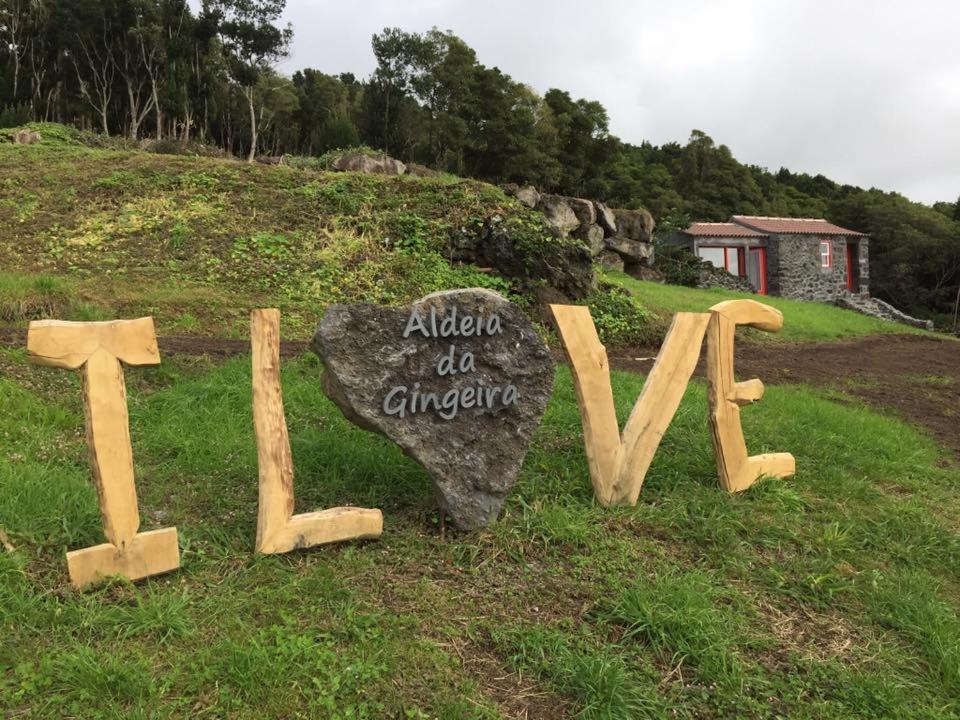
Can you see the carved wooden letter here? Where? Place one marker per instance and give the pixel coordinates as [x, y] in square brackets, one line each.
[98, 348]
[619, 466]
[737, 471]
[278, 529]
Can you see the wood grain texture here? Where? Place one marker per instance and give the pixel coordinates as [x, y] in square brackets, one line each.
[278, 529]
[591, 379]
[98, 348]
[618, 465]
[736, 469]
[658, 402]
[108, 440]
[148, 553]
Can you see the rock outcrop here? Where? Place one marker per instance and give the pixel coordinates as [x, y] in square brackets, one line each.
[377, 164]
[628, 233]
[566, 266]
[25, 137]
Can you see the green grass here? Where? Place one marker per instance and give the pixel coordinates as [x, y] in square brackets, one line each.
[803, 321]
[830, 595]
[175, 236]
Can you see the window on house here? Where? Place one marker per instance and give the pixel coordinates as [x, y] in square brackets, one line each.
[826, 254]
[730, 259]
[713, 255]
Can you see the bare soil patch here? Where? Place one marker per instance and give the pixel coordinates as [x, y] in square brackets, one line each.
[915, 377]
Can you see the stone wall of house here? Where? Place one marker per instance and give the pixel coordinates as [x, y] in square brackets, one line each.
[793, 268]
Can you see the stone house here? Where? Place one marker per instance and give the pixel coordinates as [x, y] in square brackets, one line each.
[804, 258]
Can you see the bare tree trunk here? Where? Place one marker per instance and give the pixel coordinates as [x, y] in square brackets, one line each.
[956, 312]
[248, 91]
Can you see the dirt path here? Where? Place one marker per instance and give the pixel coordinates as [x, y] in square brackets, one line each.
[915, 377]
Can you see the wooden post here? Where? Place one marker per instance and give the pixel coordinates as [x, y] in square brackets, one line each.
[98, 348]
[619, 466]
[278, 529]
[736, 469]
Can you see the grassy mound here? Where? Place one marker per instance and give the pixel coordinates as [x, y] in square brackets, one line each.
[198, 241]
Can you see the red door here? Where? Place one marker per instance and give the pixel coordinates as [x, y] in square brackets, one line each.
[852, 267]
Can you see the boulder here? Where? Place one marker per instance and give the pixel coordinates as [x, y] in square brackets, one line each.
[583, 209]
[631, 250]
[609, 260]
[592, 235]
[634, 224]
[422, 170]
[528, 196]
[606, 219]
[25, 137]
[560, 216]
[642, 271]
[459, 380]
[565, 266]
[375, 164]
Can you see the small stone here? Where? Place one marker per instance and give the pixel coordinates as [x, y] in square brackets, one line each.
[461, 394]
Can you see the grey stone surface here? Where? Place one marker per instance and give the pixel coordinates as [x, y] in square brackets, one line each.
[794, 271]
[567, 268]
[583, 209]
[379, 164]
[472, 454]
[560, 216]
[632, 250]
[528, 196]
[880, 309]
[609, 260]
[606, 219]
[25, 137]
[634, 224]
[592, 235]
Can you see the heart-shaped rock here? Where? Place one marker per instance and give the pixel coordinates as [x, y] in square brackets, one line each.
[459, 380]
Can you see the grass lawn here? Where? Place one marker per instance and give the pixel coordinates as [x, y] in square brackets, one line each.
[831, 595]
[803, 321]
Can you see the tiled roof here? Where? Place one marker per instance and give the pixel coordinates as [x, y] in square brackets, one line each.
[721, 229]
[794, 226]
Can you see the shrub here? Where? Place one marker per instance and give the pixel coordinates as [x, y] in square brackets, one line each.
[619, 318]
[678, 265]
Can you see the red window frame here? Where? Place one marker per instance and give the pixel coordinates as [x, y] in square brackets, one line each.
[829, 245]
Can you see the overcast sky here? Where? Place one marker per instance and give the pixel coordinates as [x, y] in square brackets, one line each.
[865, 92]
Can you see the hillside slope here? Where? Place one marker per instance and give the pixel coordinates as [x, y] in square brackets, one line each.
[96, 233]
[200, 239]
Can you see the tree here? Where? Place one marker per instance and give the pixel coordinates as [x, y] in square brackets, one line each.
[93, 59]
[252, 43]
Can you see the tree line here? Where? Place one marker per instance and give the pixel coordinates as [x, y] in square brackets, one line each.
[157, 69]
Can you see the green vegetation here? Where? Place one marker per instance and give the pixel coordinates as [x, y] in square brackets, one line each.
[136, 233]
[803, 321]
[178, 74]
[830, 595]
